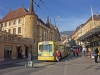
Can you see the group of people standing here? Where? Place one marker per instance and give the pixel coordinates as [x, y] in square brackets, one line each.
[95, 53]
[21, 54]
[75, 52]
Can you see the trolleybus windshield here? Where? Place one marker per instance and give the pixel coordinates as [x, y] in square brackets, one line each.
[45, 48]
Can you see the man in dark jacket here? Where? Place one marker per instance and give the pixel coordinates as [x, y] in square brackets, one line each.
[96, 55]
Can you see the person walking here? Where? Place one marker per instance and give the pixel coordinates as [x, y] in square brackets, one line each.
[99, 55]
[58, 54]
[23, 54]
[84, 51]
[29, 56]
[77, 52]
[96, 55]
[73, 52]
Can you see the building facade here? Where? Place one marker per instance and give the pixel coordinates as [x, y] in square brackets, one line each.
[11, 45]
[87, 34]
[27, 24]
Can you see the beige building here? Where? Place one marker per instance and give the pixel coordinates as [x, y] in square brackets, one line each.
[11, 45]
[88, 33]
[27, 24]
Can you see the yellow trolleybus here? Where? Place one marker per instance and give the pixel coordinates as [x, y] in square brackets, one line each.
[47, 50]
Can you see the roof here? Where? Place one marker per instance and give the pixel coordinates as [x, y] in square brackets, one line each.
[52, 26]
[15, 14]
[89, 33]
[41, 21]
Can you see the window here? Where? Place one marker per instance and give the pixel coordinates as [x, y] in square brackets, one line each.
[34, 40]
[9, 30]
[14, 31]
[5, 24]
[19, 29]
[9, 23]
[20, 21]
[46, 48]
[94, 23]
[14, 22]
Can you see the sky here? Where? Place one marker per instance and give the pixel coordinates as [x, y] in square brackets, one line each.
[68, 14]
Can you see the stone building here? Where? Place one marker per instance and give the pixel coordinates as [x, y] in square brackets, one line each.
[27, 24]
[11, 45]
[88, 33]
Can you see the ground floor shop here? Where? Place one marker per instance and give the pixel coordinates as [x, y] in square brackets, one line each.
[13, 51]
[91, 39]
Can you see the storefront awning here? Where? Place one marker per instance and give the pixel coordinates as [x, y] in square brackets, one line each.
[89, 33]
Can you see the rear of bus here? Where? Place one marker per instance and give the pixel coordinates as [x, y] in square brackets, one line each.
[68, 49]
[46, 51]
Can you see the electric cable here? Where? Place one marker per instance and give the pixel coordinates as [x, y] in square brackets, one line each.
[40, 8]
[69, 6]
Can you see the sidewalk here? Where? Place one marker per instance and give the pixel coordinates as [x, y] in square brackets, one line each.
[10, 61]
[82, 66]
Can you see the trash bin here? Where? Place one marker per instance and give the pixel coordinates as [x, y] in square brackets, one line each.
[93, 55]
[29, 64]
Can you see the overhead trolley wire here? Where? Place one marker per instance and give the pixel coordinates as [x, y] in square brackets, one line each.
[46, 7]
[40, 8]
[49, 11]
[37, 6]
[70, 7]
[44, 12]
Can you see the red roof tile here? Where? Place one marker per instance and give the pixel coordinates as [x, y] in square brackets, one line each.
[15, 14]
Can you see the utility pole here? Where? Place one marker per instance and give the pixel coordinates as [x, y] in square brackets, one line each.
[55, 21]
[92, 15]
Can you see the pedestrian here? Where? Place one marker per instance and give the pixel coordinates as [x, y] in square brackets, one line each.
[29, 56]
[84, 51]
[58, 54]
[73, 52]
[96, 55]
[23, 54]
[77, 52]
[99, 55]
[20, 54]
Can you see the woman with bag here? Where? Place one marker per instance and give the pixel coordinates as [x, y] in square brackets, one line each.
[58, 55]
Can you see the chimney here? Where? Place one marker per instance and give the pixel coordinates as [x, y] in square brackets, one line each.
[97, 14]
[9, 10]
[22, 5]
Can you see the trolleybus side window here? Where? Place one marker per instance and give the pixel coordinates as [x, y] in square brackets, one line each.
[56, 47]
[62, 48]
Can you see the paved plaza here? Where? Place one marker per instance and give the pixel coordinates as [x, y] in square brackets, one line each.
[68, 66]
